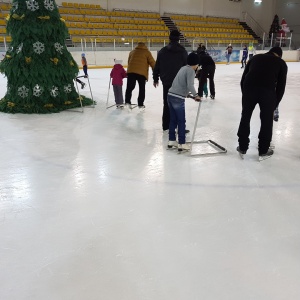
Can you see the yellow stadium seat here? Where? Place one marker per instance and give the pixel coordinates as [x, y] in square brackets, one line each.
[64, 4]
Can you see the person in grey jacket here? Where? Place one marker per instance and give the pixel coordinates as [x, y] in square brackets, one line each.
[182, 85]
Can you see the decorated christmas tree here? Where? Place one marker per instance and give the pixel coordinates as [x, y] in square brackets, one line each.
[39, 68]
[275, 27]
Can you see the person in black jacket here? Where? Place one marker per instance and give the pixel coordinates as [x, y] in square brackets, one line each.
[208, 68]
[169, 61]
[263, 82]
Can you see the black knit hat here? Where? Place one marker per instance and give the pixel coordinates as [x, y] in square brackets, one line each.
[192, 59]
[276, 50]
[174, 35]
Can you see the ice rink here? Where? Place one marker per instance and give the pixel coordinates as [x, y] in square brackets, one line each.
[93, 206]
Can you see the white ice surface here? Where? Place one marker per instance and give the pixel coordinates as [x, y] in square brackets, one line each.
[93, 206]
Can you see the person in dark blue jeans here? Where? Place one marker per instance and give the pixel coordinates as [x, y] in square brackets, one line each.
[182, 85]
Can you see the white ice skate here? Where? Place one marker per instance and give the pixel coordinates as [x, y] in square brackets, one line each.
[142, 108]
[241, 153]
[182, 148]
[128, 106]
[172, 145]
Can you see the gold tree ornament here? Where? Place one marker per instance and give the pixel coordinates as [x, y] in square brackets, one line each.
[44, 17]
[17, 17]
[28, 59]
[55, 60]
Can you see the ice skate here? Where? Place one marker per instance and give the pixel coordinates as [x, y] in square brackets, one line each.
[172, 145]
[241, 153]
[183, 148]
[265, 156]
[82, 86]
[212, 97]
[142, 108]
[121, 106]
[128, 106]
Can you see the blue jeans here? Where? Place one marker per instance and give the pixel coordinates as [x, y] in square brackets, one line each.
[228, 57]
[177, 118]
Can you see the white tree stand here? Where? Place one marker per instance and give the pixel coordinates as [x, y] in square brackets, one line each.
[219, 149]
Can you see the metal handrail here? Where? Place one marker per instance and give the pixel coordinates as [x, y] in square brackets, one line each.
[246, 17]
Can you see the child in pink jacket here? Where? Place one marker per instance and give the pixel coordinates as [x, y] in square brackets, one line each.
[117, 74]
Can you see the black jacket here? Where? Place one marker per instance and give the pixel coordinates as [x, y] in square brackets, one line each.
[169, 61]
[265, 71]
[205, 59]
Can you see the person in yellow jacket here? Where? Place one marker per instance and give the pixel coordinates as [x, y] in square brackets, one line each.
[139, 61]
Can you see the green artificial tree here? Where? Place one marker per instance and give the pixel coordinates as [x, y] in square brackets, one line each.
[39, 68]
[275, 27]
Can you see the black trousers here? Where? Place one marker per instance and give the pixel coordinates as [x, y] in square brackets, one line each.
[166, 111]
[266, 99]
[207, 72]
[132, 78]
[244, 61]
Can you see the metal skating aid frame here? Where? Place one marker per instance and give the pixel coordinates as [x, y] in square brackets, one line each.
[83, 76]
[108, 96]
[215, 145]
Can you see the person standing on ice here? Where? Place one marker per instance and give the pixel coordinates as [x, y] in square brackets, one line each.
[228, 52]
[208, 71]
[244, 56]
[182, 85]
[169, 61]
[263, 82]
[117, 74]
[84, 65]
[139, 61]
[251, 50]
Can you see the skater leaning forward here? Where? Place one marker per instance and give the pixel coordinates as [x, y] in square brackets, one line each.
[183, 84]
[263, 82]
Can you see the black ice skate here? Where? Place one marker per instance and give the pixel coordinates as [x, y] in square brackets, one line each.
[267, 155]
[212, 97]
[241, 153]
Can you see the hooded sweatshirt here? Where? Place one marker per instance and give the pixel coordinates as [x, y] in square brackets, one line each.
[117, 74]
[169, 61]
[139, 60]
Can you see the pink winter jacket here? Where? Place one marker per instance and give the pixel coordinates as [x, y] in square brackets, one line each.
[117, 74]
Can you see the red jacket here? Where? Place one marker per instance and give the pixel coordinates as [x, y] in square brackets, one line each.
[117, 74]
